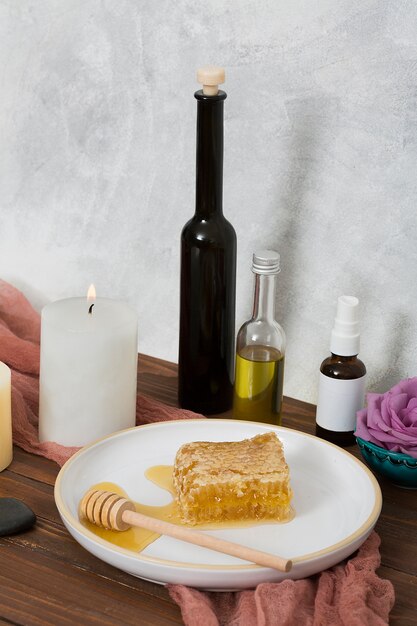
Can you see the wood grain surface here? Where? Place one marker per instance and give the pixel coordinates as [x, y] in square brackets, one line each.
[47, 578]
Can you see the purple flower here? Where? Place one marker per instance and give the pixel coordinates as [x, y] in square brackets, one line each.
[390, 419]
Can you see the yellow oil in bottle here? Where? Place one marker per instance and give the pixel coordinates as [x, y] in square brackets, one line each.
[258, 384]
[137, 539]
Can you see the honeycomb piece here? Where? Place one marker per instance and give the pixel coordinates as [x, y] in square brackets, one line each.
[233, 480]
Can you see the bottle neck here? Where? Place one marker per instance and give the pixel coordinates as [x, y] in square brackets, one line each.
[209, 170]
[264, 297]
[343, 359]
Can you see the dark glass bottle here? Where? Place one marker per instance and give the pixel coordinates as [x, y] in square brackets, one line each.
[340, 368]
[208, 276]
[342, 378]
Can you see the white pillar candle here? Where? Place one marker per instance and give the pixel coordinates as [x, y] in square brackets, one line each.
[6, 442]
[88, 370]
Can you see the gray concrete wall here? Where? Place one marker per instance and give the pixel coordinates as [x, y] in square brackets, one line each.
[97, 128]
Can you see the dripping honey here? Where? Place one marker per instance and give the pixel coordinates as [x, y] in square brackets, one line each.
[137, 539]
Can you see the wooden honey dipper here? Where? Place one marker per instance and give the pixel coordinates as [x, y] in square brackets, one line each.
[111, 511]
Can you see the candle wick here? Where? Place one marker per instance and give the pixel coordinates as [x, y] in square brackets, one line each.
[90, 310]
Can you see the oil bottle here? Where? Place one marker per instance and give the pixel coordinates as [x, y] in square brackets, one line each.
[260, 349]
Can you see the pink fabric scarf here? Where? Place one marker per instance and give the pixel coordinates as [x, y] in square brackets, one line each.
[350, 594]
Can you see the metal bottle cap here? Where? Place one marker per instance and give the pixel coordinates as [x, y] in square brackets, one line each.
[266, 262]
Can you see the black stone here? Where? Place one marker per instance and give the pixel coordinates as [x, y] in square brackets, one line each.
[15, 516]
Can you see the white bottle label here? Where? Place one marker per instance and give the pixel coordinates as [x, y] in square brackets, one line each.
[338, 401]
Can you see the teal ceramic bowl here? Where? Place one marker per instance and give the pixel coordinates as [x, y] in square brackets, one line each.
[400, 469]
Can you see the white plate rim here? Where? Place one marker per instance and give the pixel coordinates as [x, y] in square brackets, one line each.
[66, 514]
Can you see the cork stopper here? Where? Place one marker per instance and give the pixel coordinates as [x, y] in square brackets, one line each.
[210, 77]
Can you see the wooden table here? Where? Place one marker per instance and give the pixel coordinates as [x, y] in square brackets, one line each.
[47, 578]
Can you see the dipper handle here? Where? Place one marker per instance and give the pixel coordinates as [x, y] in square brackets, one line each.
[114, 512]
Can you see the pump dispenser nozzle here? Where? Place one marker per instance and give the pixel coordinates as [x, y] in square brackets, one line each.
[345, 336]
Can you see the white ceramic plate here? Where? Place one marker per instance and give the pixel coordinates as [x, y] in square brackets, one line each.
[336, 499]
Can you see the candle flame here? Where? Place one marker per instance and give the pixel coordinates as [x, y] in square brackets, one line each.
[91, 293]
